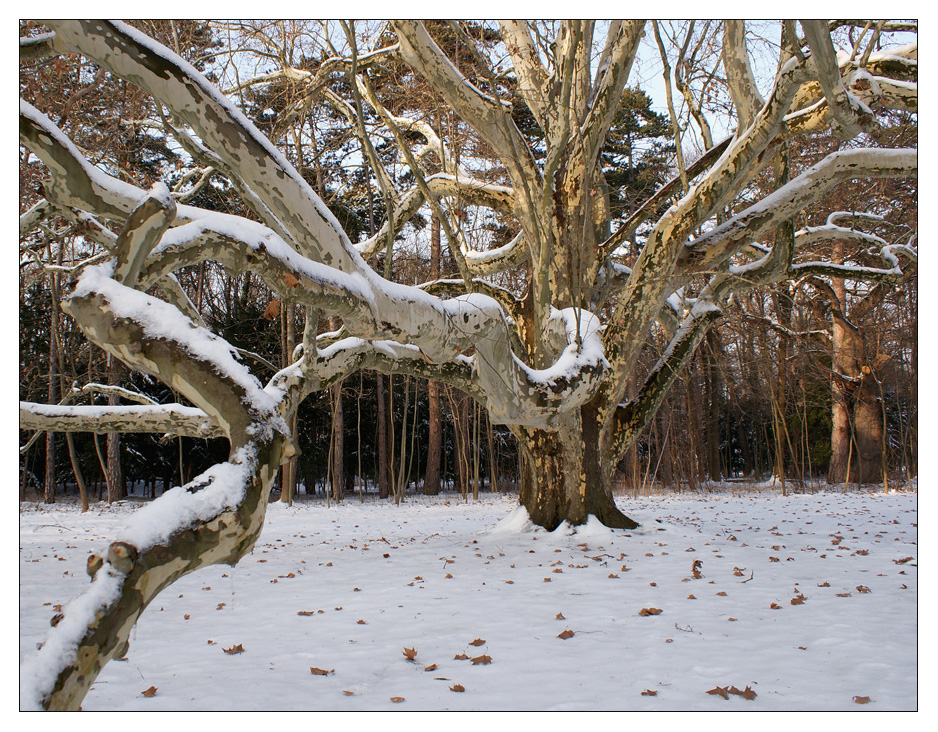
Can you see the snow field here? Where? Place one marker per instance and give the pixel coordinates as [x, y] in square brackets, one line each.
[436, 575]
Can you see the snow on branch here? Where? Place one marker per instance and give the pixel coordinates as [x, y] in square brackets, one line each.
[172, 419]
[707, 252]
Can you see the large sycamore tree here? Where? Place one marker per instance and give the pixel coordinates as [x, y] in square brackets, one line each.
[557, 361]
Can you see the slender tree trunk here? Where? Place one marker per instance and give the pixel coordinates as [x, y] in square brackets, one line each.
[383, 488]
[288, 471]
[115, 482]
[338, 443]
[431, 480]
[49, 482]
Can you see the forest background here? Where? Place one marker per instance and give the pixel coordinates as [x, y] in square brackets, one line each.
[798, 383]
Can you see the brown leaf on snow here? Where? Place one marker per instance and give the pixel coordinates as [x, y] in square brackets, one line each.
[306, 612]
[691, 597]
[824, 584]
[798, 599]
[843, 594]
[397, 699]
[863, 589]
[775, 606]
[747, 693]
[361, 622]
[460, 657]
[720, 691]
[234, 649]
[320, 671]
[559, 616]
[862, 700]
[477, 642]
[457, 687]
[149, 692]
[431, 667]
[903, 560]
[566, 634]
[721, 594]
[410, 654]
[649, 692]
[481, 660]
[348, 693]
[646, 611]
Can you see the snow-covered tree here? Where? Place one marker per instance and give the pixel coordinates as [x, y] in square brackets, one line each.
[558, 363]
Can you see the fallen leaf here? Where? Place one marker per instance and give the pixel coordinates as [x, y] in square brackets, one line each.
[646, 611]
[397, 699]
[220, 606]
[863, 589]
[649, 692]
[843, 594]
[775, 606]
[348, 693]
[460, 657]
[824, 584]
[361, 622]
[234, 649]
[477, 642]
[306, 612]
[566, 634]
[773, 559]
[747, 693]
[149, 692]
[903, 561]
[457, 687]
[721, 594]
[186, 616]
[862, 699]
[481, 660]
[613, 576]
[720, 691]
[691, 597]
[410, 654]
[798, 599]
[320, 671]
[559, 616]
[431, 667]
[731, 620]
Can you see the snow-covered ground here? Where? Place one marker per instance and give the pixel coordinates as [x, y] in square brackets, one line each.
[807, 600]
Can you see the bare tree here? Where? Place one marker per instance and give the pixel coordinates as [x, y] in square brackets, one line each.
[559, 363]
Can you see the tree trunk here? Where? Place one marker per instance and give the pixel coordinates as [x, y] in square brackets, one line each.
[563, 476]
[49, 482]
[338, 443]
[288, 471]
[383, 488]
[431, 479]
[115, 481]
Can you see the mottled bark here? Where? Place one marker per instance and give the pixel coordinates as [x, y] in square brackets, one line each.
[565, 477]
